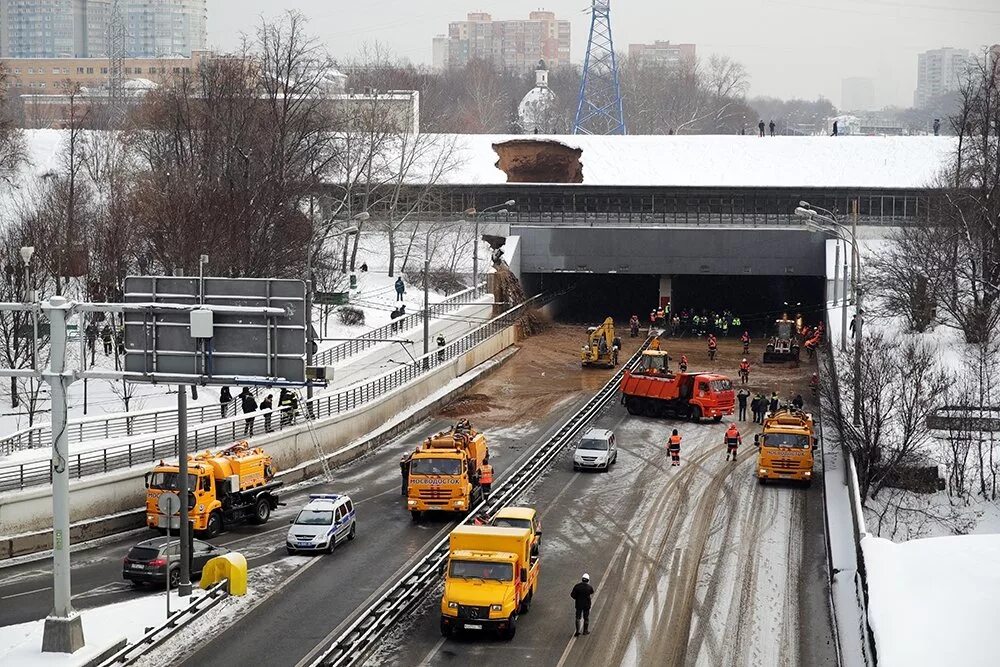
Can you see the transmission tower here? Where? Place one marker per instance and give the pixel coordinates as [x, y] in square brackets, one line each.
[117, 105]
[599, 109]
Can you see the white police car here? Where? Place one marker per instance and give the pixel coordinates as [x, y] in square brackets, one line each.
[325, 521]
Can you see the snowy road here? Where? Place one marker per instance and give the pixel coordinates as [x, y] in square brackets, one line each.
[693, 566]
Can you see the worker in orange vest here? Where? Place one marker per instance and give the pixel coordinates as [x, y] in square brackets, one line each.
[745, 339]
[486, 477]
[655, 344]
[674, 447]
[745, 370]
[713, 346]
[733, 440]
[684, 363]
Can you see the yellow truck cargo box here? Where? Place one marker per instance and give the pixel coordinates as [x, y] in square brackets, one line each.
[515, 541]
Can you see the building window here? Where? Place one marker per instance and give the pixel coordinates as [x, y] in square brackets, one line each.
[79, 70]
[90, 70]
[104, 70]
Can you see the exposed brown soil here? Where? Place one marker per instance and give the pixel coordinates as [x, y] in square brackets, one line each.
[537, 161]
[544, 373]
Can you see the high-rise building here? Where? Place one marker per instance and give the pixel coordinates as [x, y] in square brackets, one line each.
[938, 72]
[165, 27]
[517, 44]
[440, 53]
[857, 93]
[79, 28]
[662, 53]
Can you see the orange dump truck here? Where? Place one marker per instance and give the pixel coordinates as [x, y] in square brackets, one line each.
[232, 486]
[445, 472]
[654, 390]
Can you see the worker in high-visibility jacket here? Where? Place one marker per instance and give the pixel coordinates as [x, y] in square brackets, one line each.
[733, 440]
[486, 477]
[674, 447]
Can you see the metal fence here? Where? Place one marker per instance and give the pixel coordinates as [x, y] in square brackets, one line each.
[123, 425]
[349, 348]
[224, 432]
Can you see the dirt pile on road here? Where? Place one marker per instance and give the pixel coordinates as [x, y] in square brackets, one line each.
[507, 291]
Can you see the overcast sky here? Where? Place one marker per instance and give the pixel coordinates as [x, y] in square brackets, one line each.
[792, 48]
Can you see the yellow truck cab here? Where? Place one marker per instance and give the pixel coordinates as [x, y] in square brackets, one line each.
[520, 517]
[490, 579]
[785, 446]
[443, 473]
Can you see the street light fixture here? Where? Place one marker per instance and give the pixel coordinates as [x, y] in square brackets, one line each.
[475, 246]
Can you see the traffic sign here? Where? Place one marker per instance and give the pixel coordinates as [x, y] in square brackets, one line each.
[169, 504]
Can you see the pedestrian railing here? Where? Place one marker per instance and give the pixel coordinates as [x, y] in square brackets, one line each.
[127, 424]
[146, 450]
[349, 348]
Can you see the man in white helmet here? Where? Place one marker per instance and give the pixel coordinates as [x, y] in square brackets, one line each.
[581, 595]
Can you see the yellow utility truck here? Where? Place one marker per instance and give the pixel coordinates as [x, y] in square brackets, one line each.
[443, 474]
[599, 350]
[228, 487]
[785, 446]
[490, 579]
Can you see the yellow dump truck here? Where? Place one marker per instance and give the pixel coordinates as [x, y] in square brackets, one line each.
[785, 446]
[599, 350]
[228, 487]
[490, 579]
[444, 473]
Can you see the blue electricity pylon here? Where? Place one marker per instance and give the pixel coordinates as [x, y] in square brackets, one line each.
[599, 108]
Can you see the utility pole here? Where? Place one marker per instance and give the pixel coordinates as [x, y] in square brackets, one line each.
[858, 318]
[63, 628]
[184, 585]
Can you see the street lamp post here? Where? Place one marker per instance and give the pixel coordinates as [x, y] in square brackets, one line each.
[817, 222]
[26, 253]
[475, 246]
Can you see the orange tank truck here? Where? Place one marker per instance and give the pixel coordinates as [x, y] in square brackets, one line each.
[654, 390]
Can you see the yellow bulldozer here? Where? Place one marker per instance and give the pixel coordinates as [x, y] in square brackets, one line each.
[599, 350]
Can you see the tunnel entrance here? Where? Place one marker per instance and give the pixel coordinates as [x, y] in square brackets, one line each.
[757, 300]
[595, 297]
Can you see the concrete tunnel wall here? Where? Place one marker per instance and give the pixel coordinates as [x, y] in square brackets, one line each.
[671, 250]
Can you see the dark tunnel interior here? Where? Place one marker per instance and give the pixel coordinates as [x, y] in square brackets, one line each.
[757, 300]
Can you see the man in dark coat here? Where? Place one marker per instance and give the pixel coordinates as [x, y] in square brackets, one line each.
[249, 404]
[581, 594]
[267, 404]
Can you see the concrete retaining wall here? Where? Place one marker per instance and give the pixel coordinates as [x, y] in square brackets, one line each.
[116, 496]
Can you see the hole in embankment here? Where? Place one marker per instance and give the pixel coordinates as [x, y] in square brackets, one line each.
[539, 161]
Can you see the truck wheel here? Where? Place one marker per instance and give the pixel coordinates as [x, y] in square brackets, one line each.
[214, 526]
[445, 629]
[632, 405]
[415, 515]
[762, 481]
[695, 414]
[262, 511]
[717, 418]
[526, 604]
[508, 634]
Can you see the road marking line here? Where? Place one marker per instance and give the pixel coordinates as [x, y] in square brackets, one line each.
[597, 592]
[430, 654]
[17, 595]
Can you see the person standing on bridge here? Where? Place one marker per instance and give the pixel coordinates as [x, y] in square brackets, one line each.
[733, 440]
[760, 126]
[267, 404]
[771, 127]
[441, 343]
[249, 405]
[582, 594]
[400, 288]
[225, 398]
[674, 447]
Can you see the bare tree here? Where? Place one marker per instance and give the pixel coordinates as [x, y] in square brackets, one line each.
[902, 385]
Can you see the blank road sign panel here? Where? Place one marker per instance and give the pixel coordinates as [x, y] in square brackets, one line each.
[242, 345]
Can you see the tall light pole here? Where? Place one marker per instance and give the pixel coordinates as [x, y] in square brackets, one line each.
[817, 222]
[29, 296]
[475, 246]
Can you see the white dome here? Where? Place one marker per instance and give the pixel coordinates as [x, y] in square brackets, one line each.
[534, 113]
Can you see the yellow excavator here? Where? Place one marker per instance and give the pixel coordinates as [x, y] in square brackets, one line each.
[599, 350]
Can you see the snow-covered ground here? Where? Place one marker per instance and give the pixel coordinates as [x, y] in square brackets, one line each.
[21, 644]
[934, 601]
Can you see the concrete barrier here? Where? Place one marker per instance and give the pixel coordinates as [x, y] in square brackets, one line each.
[105, 504]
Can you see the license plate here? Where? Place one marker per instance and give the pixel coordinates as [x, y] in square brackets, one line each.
[473, 626]
[303, 544]
[137, 567]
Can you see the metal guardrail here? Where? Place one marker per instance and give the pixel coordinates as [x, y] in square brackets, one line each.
[687, 219]
[349, 348]
[223, 432]
[378, 619]
[123, 425]
[155, 637]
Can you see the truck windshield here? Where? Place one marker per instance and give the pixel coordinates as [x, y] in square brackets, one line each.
[435, 467]
[170, 481]
[786, 441]
[505, 522]
[470, 569]
[601, 445]
[722, 385]
[314, 518]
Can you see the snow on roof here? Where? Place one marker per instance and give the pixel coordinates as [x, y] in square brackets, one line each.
[933, 601]
[727, 160]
